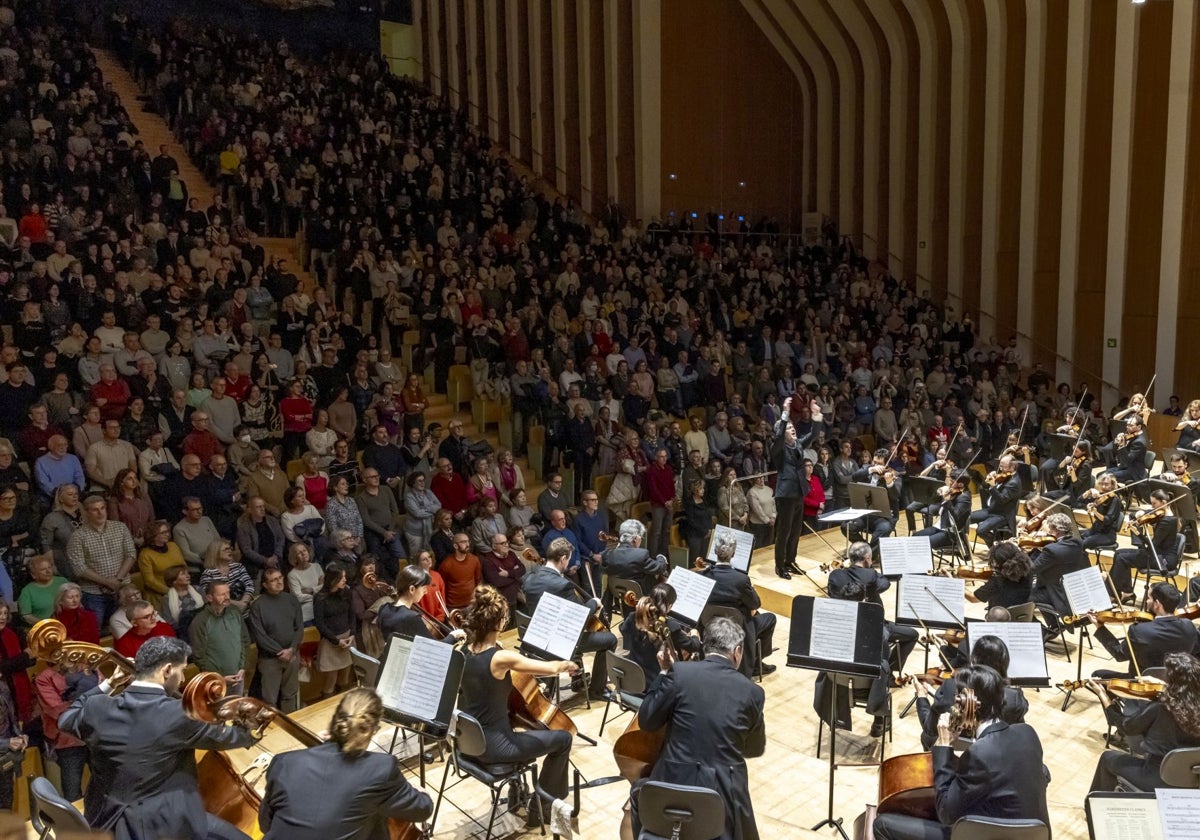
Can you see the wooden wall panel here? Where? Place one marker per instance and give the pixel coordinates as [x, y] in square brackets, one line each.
[1187, 314]
[973, 127]
[626, 159]
[501, 108]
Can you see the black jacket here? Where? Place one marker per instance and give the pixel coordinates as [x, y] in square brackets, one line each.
[323, 794]
[1151, 640]
[636, 564]
[708, 742]
[928, 711]
[143, 757]
[871, 581]
[1051, 563]
[733, 589]
[1132, 457]
[1000, 775]
[790, 483]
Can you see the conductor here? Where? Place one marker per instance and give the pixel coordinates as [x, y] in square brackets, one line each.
[143, 752]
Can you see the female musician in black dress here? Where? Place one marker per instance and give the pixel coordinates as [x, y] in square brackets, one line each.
[1011, 580]
[1170, 722]
[487, 684]
[400, 618]
[639, 635]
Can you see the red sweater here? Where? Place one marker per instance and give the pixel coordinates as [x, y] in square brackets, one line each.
[129, 644]
[450, 491]
[659, 484]
[461, 579]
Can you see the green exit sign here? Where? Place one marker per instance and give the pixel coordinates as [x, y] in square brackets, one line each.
[1112, 343]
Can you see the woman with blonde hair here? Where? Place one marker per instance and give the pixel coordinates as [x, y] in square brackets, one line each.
[366, 789]
[219, 566]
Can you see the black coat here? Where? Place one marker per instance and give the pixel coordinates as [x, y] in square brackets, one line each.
[143, 756]
[1004, 498]
[322, 794]
[636, 564]
[1000, 775]
[733, 589]
[790, 483]
[708, 743]
[1132, 457]
[957, 509]
[1151, 640]
[543, 580]
[1013, 711]
[870, 580]
[1051, 563]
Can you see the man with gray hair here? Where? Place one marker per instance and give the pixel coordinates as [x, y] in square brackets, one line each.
[733, 589]
[708, 742]
[630, 561]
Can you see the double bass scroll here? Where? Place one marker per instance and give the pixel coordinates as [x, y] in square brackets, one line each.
[48, 642]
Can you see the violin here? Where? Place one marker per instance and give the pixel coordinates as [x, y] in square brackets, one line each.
[1136, 688]
[1191, 611]
[998, 477]
[1037, 539]
[604, 537]
[831, 565]
[1113, 616]
[224, 789]
[934, 676]
[969, 573]
[1185, 423]
[1144, 519]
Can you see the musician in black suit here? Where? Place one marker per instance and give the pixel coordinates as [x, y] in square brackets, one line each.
[1072, 475]
[990, 651]
[1157, 552]
[878, 524]
[1000, 510]
[791, 486]
[859, 571]
[1153, 640]
[1127, 455]
[953, 513]
[338, 790]
[1051, 562]
[1105, 512]
[641, 633]
[142, 749]
[734, 589]
[716, 723]
[549, 579]
[629, 560]
[999, 775]
[401, 617]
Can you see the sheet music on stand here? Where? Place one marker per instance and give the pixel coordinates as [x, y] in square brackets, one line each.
[842, 637]
[1086, 591]
[692, 591]
[1122, 816]
[931, 600]
[1026, 651]
[905, 556]
[418, 682]
[555, 628]
[848, 514]
[745, 547]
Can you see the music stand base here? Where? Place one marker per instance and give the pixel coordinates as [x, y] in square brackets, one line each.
[829, 821]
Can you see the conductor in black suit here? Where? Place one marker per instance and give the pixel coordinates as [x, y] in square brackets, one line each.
[716, 723]
[1000, 775]
[734, 589]
[143, 752]
[1151, 641]
[791, 486]
[338, 790]
[629, 560]
[548, 579]
[1051, 562]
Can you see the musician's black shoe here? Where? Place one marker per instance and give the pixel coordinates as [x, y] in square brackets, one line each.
[783, 573]
[877, 728]
[765, 668]
[794, 569]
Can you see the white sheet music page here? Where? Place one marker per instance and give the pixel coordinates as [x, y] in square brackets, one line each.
[834, 628]
[931, 598]
[1026, 651]
[424, 678]
[1086, 590]
[905, 556]
[1179, 813]
[692, 590]
[745, 546]
[556, 626]
[1122, 818]
[391, 675]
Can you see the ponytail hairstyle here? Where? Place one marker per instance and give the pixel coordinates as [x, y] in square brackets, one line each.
[487, 614]
[650, 607]
[356, 720]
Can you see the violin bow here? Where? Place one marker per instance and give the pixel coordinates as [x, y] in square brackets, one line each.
[1021, 430]
[942, 604]
[929, 636]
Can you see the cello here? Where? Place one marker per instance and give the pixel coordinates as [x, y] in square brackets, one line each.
[225, 790]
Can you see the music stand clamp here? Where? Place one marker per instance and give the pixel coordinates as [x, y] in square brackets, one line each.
[867, 662]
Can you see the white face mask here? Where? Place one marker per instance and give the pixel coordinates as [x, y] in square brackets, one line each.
[244, 438]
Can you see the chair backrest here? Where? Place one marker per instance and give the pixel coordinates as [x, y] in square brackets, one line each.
[1180, 545]
[699, 813]
[712, 611]
[1022, 612]
[1181, 768]
[48, 809]
[1150, 458]
[1158, 672]
[521, 621]
[628, 676]
[617, 587]
[996, 828]
[466, 734]
[366, 668]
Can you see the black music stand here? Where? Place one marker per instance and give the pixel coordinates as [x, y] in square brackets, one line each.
[867, 662]
[870, 497]
[561, 641]
[923, 489]
[1060, 446]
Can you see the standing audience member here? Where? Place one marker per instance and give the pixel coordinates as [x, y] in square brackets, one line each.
[219, 638]
[276, 625]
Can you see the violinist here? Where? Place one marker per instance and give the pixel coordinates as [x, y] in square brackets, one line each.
[1050, 563]
[340, 788]
[1167, 723]
[1153, 552]
[990, 651]
[1189, 426]
[716, 723]
[1105, 508]
[487, 684]
[1177, 473]
[628, 559]
[1136, 407]
[550, 578]
[999, 775]
[734, 589]
[940, 467]
[639, 629]
[1011, 581]
[1072, 475]
[952, 514]
[1126, 454]
[401, 618]
[1153, 640]
[878, 474]
[1000, 511]
[141, 793]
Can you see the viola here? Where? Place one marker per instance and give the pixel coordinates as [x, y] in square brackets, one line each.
[1113, 616]
[1143, 519]
[969, 573]
[934, 676]
[1135, 688]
